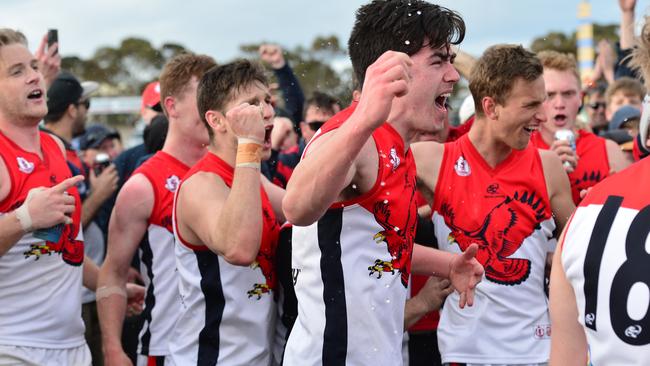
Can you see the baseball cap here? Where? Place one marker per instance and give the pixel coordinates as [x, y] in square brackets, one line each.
[622, 115]
[95, 135]
[65, 90]
[151, 96]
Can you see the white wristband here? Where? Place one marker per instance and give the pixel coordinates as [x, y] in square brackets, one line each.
[22, 214]
[248, 140]
[107, 291]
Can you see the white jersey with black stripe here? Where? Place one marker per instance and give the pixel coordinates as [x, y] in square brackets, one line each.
[351, 267]
[605, 255]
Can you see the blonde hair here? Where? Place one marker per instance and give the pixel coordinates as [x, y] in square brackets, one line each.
[10, 36]
[554, 60]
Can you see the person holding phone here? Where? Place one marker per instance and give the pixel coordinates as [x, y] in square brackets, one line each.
[40, 279]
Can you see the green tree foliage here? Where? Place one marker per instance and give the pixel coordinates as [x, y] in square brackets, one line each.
[314, 66]
[125, 69]
[562, 42]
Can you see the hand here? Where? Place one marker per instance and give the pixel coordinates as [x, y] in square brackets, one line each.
[48, 207]
[584, 192]
[566, 154]
[282, 130]
[104, 184]
[116, 357]
[433, 293]
[465, 272]
[134, 299]
[247, 121]
[49, 61]
[272, 54]
[627, 5]
[387, 78]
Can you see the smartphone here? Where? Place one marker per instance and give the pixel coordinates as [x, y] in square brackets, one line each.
[52, 37]
[102, 161]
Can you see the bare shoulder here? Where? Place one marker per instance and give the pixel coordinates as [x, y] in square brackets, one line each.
[136, 198]
[550, 161]
[58, 142]
[200, 189]
[615, 156]
[428, 158]
[5, 180]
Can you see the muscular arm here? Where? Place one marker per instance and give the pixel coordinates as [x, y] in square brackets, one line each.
[90, 273]
[333, 161]
[228, 221]
[568, 344]
[324, 173]
[615, 156]
[127, 226]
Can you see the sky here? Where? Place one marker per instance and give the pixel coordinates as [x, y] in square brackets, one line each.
[218, 27]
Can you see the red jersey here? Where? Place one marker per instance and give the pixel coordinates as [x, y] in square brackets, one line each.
[157, 259]
[40, 280]
[28, 171]
[506, 211]
[593, 163]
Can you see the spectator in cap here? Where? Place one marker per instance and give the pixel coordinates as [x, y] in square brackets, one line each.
[150, 108]
[99, 139]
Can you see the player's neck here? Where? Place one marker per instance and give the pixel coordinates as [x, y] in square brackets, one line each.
[187, 151]
[26, 136]
[488, 146]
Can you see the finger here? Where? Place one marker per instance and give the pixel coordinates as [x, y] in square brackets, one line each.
[462, 301]
[67, 209]
[67, 220]
[41, 47]
[470, 297]
[399, 88]
[66, 184]
[68, 200]
[397, 72]
[52, 51]
[470, 252]
[445, 283]
[447, 291]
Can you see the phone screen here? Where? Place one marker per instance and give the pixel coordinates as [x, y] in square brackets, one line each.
[52, 37]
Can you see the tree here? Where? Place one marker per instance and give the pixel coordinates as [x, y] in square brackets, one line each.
[318, 67]
[562, 42]
[125, 69]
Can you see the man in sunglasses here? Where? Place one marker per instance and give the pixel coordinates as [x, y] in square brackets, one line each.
[318, 109]
[595, 107]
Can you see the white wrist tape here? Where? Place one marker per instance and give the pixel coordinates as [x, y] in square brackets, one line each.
[248, 140]
[22, 214]
[107, 291]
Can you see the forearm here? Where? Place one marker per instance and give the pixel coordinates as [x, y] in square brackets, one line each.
[89, 208]
[10, 232]
[627, 29]
[429, 262]
[323, 175]
[111, 309]
[90, 272]
[238, 232]
[414, 310]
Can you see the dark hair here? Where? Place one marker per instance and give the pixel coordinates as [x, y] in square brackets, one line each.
[496, 72]
[403, 26]
[178, 72]
[323, 102]
[221, 84]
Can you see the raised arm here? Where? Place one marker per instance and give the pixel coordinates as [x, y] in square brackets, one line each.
[332, 163]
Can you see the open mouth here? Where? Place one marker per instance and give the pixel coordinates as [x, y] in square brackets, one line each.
[560, 119]
[267, 135]
[531, 129]
[35, 94]
[441, 101]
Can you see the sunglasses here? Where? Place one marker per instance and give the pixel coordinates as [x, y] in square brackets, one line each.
[597, 105]
[85, 103]
[315, 125]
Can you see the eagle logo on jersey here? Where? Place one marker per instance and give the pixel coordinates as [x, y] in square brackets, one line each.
[500, 235]
[394, 158]
[398, 236]
[25, 165]
[588, 179]
[172, 183]
[462, 167]
[265, 261]
[71, 250]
